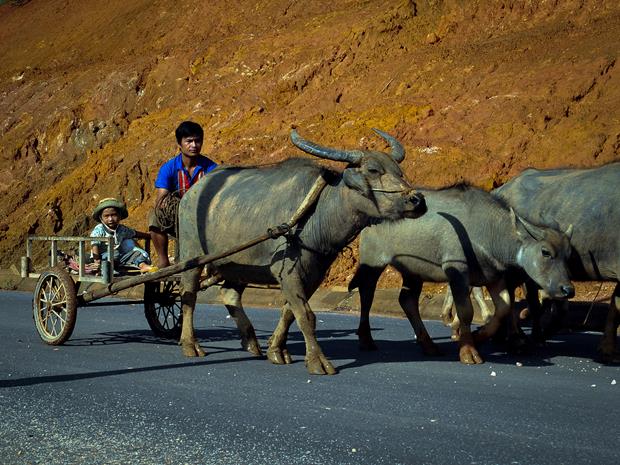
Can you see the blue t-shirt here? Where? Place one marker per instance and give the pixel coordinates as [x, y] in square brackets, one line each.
[168, 175]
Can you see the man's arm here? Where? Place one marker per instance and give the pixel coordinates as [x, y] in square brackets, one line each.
[161, 193]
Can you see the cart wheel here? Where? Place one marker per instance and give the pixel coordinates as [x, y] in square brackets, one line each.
[54, 306]
[162, 308]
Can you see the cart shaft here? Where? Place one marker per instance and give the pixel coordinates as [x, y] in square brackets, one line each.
[168, 271]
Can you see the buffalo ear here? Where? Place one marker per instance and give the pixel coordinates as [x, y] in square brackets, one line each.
[524, 228]
[518, 226]
[353, 179]
[569, 231]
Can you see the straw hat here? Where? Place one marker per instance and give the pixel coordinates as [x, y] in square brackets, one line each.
[109, 203]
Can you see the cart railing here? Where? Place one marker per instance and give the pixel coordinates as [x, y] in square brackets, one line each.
[107, 266]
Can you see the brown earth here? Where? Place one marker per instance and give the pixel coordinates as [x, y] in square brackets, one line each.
[91, 93]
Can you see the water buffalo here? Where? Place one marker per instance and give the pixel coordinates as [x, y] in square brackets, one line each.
[235, 204]
[467, 237]
[589, 199]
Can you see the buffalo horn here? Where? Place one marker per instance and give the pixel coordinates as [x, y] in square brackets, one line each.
[349, 156]
[398, 151]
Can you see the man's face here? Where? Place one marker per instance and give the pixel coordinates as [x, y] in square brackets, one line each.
[190, 146]
[110, 217]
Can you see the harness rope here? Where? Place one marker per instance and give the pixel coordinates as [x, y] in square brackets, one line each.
[386, 191]
[585, 320]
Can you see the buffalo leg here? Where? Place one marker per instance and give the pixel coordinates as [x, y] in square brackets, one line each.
[409, 299]
[534, 310]
[552, 315]
[190, 283]
[366, 278]
[459, 285]
[277, 352]
[316, 362]
[502, 300]
[449, 317]
[485, 312]
[231, 296]
[503, 297]
[608, 343]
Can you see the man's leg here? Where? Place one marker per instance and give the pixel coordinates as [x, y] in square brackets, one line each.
[159, 239]
[160, 244]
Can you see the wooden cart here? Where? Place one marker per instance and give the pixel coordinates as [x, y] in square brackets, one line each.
[58, 295]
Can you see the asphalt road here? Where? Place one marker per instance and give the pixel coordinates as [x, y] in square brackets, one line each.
[114, 394]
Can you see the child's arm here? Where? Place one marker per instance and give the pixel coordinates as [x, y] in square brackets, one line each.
[94, 251]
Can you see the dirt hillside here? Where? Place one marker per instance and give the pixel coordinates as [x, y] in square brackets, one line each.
[91, 93]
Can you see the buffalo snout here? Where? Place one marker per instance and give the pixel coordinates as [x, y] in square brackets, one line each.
[568, 291]
[416, 203]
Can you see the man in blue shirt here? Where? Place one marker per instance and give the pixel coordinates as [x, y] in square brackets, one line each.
[175, 177]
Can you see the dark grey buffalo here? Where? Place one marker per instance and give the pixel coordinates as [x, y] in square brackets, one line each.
[589, 199]
[466, 238]
[236, 204]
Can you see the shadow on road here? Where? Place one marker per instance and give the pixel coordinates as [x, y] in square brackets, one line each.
[147, 337]
[337, 345]
[100, 374]
[573, 345]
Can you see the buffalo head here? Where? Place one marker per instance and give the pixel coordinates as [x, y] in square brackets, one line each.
[377, 184]
[543, 254]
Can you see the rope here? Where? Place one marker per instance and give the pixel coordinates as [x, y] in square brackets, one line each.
[278, 231]
[167, 209]
[585, 320]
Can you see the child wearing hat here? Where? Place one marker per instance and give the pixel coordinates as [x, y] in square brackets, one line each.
[109, 213]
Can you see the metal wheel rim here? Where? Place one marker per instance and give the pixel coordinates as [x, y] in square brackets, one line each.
[168, 313]
[52, 306]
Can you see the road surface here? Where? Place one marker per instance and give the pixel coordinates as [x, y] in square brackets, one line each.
[114, 394]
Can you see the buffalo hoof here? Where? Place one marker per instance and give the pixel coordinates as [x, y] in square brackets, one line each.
[467, 351]
[278, 356]
[607, 353]
[481, 335]
[608, 359]
[367, 344]
[469, 356]
[429, 348]
[519, 344]
[192, 349]
[538, 336]
[365, 338]
[319, 365]
[252, 346]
